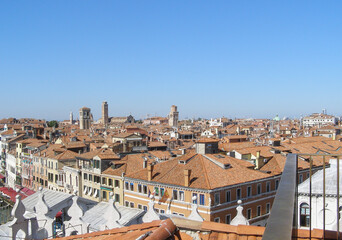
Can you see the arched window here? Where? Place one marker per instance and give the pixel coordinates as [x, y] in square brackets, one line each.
[304, 215]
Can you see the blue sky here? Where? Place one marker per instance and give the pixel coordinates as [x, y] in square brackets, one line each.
[210, 58]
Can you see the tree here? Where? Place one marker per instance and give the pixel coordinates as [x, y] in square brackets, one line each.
[53, 123]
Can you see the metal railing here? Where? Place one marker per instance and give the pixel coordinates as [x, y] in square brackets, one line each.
[293, 205]
[280, 222]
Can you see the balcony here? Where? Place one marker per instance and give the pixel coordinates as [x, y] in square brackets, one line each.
[92, 169]
[305, 206]
[26, 176]
[60, 183]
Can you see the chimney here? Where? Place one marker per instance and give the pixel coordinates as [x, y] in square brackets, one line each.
[44, 154]
[183, 151]
[149, 172]
[259, 161]
[334, 136]
[187, 173]
[145, 163]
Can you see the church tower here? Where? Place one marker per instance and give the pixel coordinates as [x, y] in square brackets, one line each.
[104, 113]
[173, 116]
[85, 118]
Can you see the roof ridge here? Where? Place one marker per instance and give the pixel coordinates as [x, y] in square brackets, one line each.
[205, 172]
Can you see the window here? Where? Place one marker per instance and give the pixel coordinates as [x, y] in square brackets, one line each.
[97, 179]
[276, 184]
[249, 213]
[217, 198]
[238, 193]
[116, 183]
[268, 187]
[139, 206]
[181, 196]
[249, 191]
[110, 182]
[217, 219]
[90, 177]
[144, 189]
[104, 195]
[202, 199]
[308, 175]
[162, 211]
[228, 218]
[131, 186]
[268, 206]
[126, 186]
[131, 204]
[145, 208]
[156, 191]
[300, 178]
[162, 192]
[259, 188]
[174, 194]
[304, 215]
[97, 163]
[194, 200]
[117, 197]
[104, 181]
[228, 196]
[258, 211]
[85, 176]
[139, 188]
[126, 204]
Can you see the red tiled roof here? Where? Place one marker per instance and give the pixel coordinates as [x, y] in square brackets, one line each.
[174, 229]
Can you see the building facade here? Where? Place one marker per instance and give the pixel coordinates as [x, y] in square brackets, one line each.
[319, 119]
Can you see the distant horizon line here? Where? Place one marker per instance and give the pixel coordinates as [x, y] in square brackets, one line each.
[183, 119]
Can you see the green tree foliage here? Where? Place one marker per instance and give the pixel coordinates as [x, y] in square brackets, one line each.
[53, 123]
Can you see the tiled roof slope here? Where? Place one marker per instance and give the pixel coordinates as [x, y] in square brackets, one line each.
[205, 174]
[205, 231]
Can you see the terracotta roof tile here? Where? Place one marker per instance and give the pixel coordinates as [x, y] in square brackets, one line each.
[205, 174]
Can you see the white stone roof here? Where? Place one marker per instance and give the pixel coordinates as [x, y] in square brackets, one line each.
[95, 216]
[317, 181]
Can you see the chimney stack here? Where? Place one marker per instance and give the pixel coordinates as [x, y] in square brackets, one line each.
[145, 163]
[149, 172]
[259, 161]
[187, 173]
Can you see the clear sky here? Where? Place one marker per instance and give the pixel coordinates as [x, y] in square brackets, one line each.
[210, 58]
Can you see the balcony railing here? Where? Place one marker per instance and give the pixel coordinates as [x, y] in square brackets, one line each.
[293, 207]
[60, 183]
